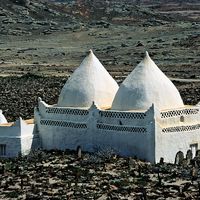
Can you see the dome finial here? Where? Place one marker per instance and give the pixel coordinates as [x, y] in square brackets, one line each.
[90, 51]
[145, 85]
[147, 58]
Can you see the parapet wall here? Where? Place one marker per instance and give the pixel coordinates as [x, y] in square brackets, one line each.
[176, 130]
[60, 113]
[179, 117]
[123, 118]
[63, 128]
[81, 118]
[144, 134]
[174, 113]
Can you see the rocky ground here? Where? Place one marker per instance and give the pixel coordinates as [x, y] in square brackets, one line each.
[52, 39]
[42, 42]
[18, 95]
[102, 176]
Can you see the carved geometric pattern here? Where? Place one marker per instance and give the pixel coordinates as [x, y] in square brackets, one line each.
[181, 128]
[62, 123]
[125, 115]
[121, 128]
[67, 111]
[173, 113]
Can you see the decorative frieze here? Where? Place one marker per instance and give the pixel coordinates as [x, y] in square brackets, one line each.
[125, 115]
[67, 111]
[181, 128]
[121, 128]
[173, 113]
[62, 124]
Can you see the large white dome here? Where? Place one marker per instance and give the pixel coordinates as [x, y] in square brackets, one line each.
[2, 118]
[147, 85]
[90, 82]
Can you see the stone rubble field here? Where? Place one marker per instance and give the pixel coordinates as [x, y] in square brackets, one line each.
[19, 95]
[102, 175]
[41, 43]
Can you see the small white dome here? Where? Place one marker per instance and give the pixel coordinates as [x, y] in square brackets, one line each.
[2, 118]
[89, 83]
[147, 85]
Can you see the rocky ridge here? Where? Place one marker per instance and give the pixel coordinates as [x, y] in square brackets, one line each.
[24, 17]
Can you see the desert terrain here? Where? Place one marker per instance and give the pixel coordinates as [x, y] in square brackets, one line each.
[42, 42]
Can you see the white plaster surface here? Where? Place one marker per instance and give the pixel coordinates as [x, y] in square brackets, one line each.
[3, 120]
[145, 85]
[26, 144]
[149, 145]
[90, 82]
[18, 138]
[167, 144]
[125, 143]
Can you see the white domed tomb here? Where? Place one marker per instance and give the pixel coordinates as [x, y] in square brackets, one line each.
[89, 83]
[147, 85]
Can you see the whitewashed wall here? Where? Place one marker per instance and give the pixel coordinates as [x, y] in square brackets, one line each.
[10, 136]
[129, 134]
[13, 145]
[173, 135]
[18, 138]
